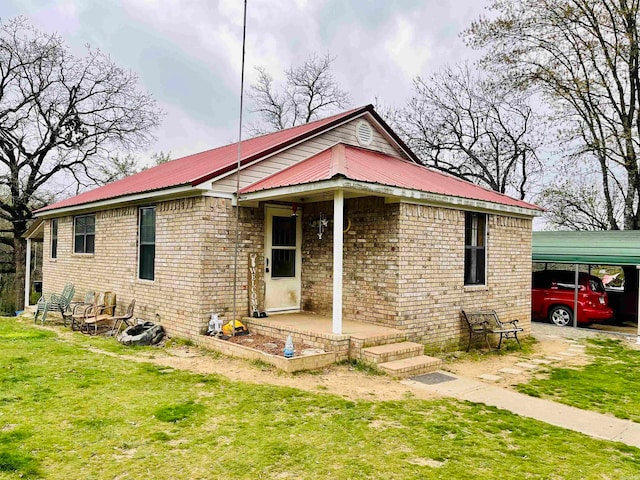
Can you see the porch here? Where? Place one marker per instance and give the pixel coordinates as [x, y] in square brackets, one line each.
[316, 330]
[375, 344]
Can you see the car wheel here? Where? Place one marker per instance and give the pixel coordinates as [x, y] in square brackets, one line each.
[561, 316]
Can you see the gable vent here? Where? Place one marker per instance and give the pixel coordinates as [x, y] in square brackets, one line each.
[364, 133]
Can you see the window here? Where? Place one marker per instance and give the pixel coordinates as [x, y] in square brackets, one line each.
[54, 238]
[283, 243]
[84, 230]
[475, 236]
[147, 243]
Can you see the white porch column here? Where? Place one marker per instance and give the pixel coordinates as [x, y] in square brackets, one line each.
[27, 275]
[338, 216]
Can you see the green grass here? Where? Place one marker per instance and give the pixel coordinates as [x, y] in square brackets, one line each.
[480, 352]
[608, 385]
[177, 412]
[68, 412]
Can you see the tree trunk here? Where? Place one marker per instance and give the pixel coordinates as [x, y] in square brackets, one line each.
[20, 259]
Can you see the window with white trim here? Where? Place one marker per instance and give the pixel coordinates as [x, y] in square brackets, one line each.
[84, 234]
[147, 243]
[475, 240]
[54, 238]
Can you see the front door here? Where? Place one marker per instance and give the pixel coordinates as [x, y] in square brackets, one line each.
[282, 260]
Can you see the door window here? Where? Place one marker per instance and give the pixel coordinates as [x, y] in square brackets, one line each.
[283, 247]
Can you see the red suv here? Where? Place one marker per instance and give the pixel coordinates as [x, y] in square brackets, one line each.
[552, 297]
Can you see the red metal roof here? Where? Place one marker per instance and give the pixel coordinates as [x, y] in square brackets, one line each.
[200, 167]
[373, 167]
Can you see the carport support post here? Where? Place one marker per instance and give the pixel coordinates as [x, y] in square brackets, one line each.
[575, 297]
[338, 220]
[638, 312]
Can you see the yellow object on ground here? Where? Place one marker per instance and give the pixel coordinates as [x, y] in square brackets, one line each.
[228, 327]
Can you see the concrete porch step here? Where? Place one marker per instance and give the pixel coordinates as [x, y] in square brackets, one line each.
[390, 352]
[408, 367]
[367, 340]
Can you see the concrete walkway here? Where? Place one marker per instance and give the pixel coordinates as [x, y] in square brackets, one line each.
[587, 422]
[590, 423]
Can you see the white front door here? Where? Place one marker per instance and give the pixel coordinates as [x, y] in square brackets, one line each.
[283, 259]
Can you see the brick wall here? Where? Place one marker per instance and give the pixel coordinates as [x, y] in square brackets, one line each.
[404, 268]
[431, 283]
[217, 257]
[370, 261]
[403, 265]
[317, 260]
[194, 261]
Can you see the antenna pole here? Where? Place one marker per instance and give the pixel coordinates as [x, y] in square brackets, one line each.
[237, 241]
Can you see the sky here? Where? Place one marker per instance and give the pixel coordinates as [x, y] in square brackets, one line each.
[187, 53]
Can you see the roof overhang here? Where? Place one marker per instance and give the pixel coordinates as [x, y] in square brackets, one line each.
[35, 230]
[135, 199]
[321, 190]
[587, 248]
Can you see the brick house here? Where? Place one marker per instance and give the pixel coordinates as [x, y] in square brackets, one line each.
[336, 217]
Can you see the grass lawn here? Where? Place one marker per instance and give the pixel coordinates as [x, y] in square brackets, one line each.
[611, 384]
[67, 412]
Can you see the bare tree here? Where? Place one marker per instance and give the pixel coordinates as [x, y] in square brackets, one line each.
[161, 157]
[60, 115]
[118, 166]
[583, 56]
[570, 205]
[463, 124]
[310, 90]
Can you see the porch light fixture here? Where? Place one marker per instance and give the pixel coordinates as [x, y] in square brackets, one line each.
[294, 209]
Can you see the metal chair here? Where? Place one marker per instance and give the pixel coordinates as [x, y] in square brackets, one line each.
[98, 314]
[126, 318]
[80, 310]
[74, 307]
[52, 301]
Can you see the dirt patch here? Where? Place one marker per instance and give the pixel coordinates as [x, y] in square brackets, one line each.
[270, 345]
[348, 382]
[552, 349]
[342, 380]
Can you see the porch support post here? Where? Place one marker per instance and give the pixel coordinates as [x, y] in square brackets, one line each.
[27, 275]
[338, 216]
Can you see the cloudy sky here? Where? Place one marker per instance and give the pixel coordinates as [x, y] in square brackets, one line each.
[188, 53]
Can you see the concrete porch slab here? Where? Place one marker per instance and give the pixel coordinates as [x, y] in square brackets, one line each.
[321, 324]
[316, 330]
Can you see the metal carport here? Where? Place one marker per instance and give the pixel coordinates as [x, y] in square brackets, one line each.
[613, 247]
